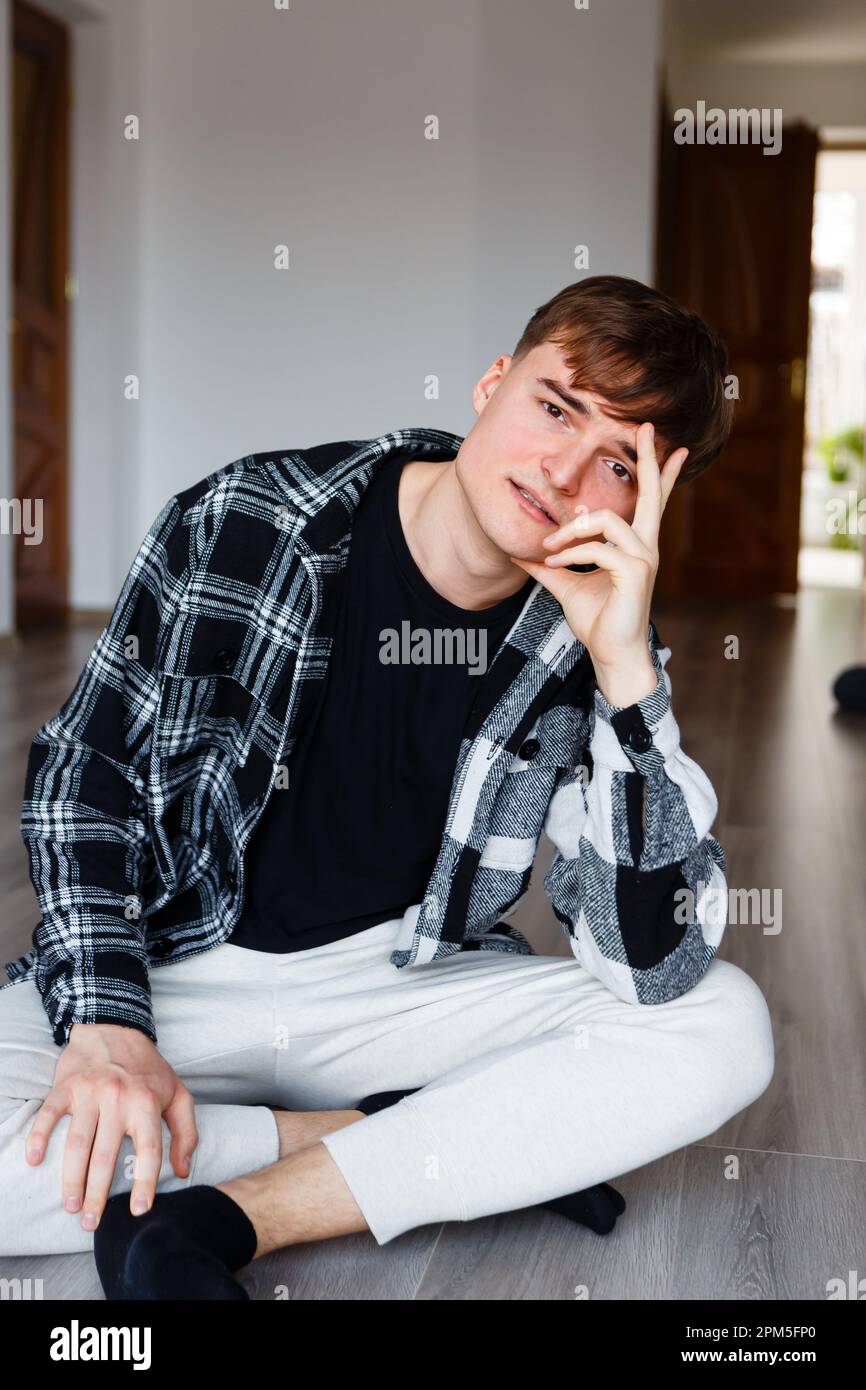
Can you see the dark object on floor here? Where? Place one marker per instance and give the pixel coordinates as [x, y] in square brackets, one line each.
[596, 1207]
[186, 1247]
[849, 687]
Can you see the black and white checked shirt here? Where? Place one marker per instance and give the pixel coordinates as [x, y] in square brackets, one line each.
[143, 790]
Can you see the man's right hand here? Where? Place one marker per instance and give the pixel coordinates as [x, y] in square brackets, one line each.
[112, 1081]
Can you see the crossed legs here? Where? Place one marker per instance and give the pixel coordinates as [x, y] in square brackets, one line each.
[535, 1082]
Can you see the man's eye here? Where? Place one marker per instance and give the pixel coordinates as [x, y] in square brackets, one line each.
[625, 475]
[553, 406]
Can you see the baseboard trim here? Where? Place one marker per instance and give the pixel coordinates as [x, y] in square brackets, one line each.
[88, 617]
[73, 617]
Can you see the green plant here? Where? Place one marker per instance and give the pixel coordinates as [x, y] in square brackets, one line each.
[843, 456]
[837, 450]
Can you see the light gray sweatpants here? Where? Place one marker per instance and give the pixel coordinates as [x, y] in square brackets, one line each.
[537, 1080]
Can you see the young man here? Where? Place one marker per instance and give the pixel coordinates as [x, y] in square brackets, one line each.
[271, 785]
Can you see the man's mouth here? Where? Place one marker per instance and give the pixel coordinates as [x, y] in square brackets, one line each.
[532, 504]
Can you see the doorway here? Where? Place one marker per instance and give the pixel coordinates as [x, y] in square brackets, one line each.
[733, 238]
[39, 324]
[833, 511]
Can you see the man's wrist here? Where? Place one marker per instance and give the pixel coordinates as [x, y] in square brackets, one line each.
[628, 682]
[106, 1031]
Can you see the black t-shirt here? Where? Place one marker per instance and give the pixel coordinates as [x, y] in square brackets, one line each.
[352, 840]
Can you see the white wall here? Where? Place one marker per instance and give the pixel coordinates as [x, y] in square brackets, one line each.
[408, 256]
[105, 457]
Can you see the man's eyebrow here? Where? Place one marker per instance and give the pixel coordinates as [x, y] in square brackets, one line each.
[582, 408]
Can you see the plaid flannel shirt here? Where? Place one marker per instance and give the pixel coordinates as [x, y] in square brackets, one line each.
[142, 792]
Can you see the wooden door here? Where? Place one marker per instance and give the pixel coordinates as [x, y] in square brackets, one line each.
[39, 324]
[735, 234]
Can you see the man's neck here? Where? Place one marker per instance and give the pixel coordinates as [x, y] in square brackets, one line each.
[445, 541]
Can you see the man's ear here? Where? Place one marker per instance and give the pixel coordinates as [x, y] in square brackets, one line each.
[487, 383]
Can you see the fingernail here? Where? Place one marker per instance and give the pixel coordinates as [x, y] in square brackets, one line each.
[72, 1203]
[88, 1221]
[34, 1151]
[139, 1205]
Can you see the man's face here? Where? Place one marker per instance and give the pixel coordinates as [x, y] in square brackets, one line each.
[564, 449]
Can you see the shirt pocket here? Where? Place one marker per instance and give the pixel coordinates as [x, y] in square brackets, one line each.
[201, 713]
[549, 751]
[209, 693]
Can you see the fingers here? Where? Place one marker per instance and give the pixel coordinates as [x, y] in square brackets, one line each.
[641, 537]
[180, 1118]
[671, 470]
[100, 1170]
[654, 484]
[648, 508]
[76, 1155]
[607, 557]
[612, 526]
[97, 1128]
[114, 1083]
[556, 582]
[147, 1140]
[52, 1109]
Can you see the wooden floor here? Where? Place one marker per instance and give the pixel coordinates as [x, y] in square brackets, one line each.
[789, 774]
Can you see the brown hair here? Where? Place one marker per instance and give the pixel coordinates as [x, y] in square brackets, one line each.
[647, 355]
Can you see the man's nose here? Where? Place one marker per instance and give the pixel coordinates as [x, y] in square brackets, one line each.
[570, 484]
[570, 469]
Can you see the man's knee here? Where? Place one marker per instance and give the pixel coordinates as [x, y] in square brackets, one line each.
[740, 1033]
[28, 1054]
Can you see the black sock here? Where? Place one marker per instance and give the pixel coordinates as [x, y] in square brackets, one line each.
[596, 1207]
[185, 1247]
[382, 1099]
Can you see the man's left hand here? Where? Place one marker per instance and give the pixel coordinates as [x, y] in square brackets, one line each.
[608, 609]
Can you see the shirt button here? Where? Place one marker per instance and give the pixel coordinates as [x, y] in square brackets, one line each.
[529, 748]
[640, 739]
[226, 659]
